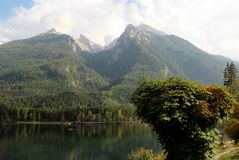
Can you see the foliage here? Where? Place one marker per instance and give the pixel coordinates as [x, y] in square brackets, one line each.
[66, 114]
[232, 70]
[226, 75]
[232, 83]
[183, 114]
[232, 126]
[231, 78]
[235, 113]
[141, 154]
[232, 129]
[66, 106]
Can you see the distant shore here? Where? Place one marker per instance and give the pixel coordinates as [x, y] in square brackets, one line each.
[67, 123]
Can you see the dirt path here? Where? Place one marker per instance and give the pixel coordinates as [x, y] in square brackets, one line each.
[230, 147]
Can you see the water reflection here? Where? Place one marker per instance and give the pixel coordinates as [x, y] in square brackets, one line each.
[78, 142]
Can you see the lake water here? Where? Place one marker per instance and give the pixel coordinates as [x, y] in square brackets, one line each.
[75, 142]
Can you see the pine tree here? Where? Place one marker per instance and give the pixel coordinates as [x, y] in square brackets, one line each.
[232, 74]
[226, 75]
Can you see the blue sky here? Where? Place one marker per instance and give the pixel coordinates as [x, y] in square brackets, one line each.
[7, 7]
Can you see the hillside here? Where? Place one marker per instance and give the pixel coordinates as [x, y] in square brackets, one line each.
[46, 64]
[144, 51]
[51, 64]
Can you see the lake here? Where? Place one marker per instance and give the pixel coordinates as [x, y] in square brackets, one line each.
[74, 142]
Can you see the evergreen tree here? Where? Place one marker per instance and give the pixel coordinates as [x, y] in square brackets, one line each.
[226, 75]
[230, 75]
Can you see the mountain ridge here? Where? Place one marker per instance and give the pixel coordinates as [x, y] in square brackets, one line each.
[160, 50]
[53, 62]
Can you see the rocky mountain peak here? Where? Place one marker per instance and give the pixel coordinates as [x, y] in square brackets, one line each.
[147, 28]
[139, 33]
[51, 32]
[89, 45]
[144, 29]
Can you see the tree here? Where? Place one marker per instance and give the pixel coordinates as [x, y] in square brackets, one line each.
[230, 77]
[183, 114]
[232, 74]
[226, 75]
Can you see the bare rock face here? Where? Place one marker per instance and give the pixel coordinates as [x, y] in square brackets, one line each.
[89, 45]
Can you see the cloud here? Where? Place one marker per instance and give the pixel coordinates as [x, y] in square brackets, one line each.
[3, 39]
[211, 25]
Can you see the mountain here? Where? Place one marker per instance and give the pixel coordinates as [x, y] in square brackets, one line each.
[144, 51]
[111, 45]
[50, 32]
[53, 64]
[90, 45]
[48, 63]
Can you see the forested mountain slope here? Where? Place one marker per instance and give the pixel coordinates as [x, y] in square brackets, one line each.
[144, 51]
[52, 64]
[48, 63]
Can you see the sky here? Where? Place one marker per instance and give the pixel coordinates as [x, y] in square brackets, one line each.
[7, 7]
[212, 25]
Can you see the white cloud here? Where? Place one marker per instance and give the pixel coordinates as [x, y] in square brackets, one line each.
[3, 39]
[230, 44]
[209, 24]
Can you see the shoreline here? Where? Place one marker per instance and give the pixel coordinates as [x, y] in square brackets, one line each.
[67, 123]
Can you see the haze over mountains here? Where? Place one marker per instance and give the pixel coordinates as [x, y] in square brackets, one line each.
[52, 63]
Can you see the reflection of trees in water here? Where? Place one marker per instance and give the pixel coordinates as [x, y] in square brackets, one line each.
[104, 141]
[86, 130]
